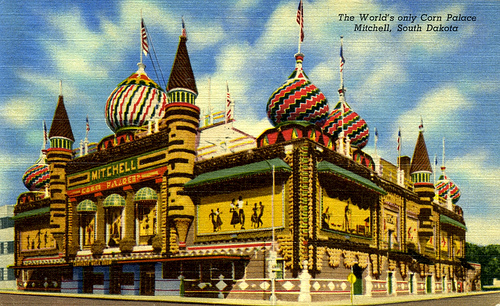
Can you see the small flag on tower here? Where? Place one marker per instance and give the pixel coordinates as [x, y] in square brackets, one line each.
[184, 33]
[229, 111]
[376, 134]
[144, 38]
[399, 140]
[45, 135]
[87, 126]
[342, 59]
[421, 126]
[300, 20]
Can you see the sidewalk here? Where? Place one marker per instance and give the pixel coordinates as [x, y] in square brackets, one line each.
[358, 300]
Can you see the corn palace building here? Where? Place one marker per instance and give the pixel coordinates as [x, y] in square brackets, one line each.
[168, 206]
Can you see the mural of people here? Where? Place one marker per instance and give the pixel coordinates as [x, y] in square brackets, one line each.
[218, 220]
[235, 218]
[241, 212]
[212, 216]
[325, 218]
[254, 216]
[347, 218]
[261, 213]
[115, 228]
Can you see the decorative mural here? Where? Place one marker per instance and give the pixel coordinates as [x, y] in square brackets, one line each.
[240, 211]
[345, 216]
[37, 239]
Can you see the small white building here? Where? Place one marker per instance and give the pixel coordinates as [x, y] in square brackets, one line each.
[7, 278]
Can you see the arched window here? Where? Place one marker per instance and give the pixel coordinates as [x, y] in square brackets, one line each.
[86, 210]
[146, 201]
[113, 206]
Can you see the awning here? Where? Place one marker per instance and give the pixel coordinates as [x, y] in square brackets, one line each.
[450, 221]
[239, 172]
[327, 167]
[114, 200]
[86, 206]
[32, 213]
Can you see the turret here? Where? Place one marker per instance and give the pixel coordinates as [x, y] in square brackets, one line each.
[421, 170]
[58, 155]
[182, 117]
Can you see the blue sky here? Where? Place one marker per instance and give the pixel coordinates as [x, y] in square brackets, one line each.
[450, 79]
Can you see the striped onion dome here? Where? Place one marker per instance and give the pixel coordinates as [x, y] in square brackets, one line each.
[36, 177]
[114, 200]
[146, 194]
[297, 99]
[445, 188]
[355, 127]
[86, 206]
[135, 101]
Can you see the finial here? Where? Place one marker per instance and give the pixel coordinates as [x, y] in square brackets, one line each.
[60, 87]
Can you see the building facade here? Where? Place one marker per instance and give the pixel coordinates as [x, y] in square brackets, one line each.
[7, 278]
[288, 216]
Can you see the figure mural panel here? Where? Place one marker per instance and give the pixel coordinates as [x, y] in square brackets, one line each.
[345, 216]
[240, 211]
[37, 239]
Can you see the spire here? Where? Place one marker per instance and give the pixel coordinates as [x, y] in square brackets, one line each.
[420, 160]
[61, 127]
[181, 76]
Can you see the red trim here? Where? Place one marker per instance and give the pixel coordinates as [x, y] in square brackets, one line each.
[60, 149]
[174, 104]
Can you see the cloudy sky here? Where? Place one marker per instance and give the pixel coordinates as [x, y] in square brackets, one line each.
[393, 79]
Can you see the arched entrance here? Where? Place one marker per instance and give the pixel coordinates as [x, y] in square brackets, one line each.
[358, 285]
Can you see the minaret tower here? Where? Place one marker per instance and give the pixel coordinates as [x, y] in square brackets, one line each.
[58, 155]
[183, 117]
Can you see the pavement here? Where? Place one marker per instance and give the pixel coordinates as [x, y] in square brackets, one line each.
[357, 300]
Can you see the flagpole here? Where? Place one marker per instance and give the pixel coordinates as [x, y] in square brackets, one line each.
[300, 21]
[140, 37]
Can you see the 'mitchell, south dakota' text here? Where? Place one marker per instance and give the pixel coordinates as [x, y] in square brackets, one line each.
[407, 23]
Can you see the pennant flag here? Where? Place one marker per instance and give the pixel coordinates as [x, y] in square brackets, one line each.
[421, 126]
[144, 38]
[300, 20]
[229, 111]
[45, 135]
[376, 134]
[399, 140]
[184, 33]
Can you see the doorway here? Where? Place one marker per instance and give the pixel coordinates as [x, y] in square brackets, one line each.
[115, 280]
[358, 284]
[148, 279]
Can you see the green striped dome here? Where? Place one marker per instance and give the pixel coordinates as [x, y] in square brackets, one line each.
[114, 200]
[86, 206]
[145, 194]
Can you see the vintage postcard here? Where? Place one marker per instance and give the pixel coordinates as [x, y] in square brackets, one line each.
[283, 151]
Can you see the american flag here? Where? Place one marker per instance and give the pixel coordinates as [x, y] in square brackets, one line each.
[87, 126]
[300, 20]
[342, 59]
[144, 38]
[399, 140]
[184, 33]
[229, 111]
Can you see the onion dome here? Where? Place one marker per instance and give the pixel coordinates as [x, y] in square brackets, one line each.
[135, 101]
[446, 188]
[354, 127]
[297, 100]
[36, 177]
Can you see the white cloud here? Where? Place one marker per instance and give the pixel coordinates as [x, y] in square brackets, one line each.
[440, 110]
